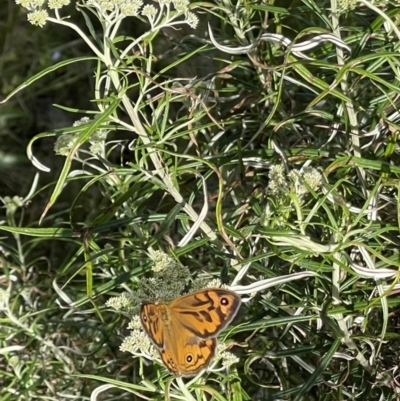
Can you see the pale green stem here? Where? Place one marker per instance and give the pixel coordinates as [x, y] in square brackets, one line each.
[80, 33]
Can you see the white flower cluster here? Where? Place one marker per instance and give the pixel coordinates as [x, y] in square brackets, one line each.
[298, 181]
[168, 282]
[138, 340]
[66, 142]
[37, 13]
[226, 357]
[123, 302]
[127, 8]
[124, 7]
[114, 9]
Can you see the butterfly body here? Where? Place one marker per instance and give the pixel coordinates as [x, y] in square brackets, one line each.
[184, 331]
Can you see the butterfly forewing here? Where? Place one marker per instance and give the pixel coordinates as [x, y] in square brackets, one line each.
[207, 312]
[151, 316]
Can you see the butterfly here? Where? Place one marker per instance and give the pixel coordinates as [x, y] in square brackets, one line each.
[184, 331]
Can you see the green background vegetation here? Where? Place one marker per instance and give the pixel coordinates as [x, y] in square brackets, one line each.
[207, 127]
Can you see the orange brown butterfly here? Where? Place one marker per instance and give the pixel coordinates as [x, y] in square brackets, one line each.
[184, 331]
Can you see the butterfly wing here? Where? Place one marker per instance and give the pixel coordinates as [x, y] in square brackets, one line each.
[183, 353]
[207, 312]
[153, 317]
[197, 317]
[189, 354]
